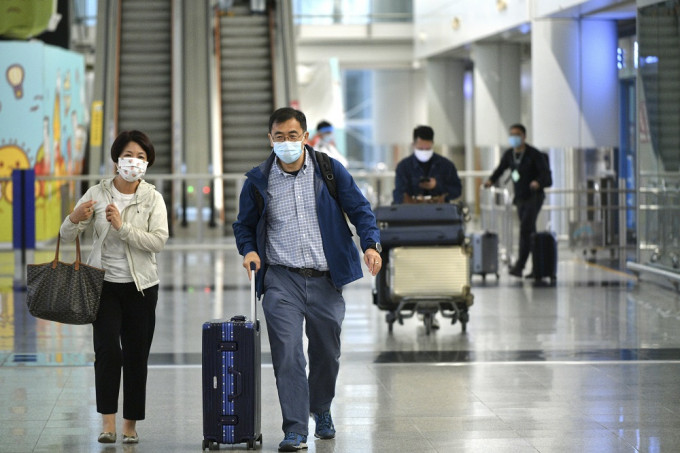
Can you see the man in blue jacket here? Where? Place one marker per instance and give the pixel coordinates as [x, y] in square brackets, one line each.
[425, 173]
[294, 231]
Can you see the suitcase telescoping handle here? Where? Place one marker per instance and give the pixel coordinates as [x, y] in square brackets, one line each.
[253, 298]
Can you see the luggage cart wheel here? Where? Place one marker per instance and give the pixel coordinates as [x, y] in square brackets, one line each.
[206, 444]
[251, 444]
[427, 320]
[390, 318]
[498, 276]
[464, 318]
[553, 281]
[484, 277]
[213, 446]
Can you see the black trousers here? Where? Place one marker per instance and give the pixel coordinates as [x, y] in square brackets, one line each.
[527, 210]
[122, 337]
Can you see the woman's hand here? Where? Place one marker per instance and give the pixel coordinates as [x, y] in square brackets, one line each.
[113, 216]
[82, 212]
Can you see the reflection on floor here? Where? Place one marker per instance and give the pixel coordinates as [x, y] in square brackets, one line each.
[588, 365]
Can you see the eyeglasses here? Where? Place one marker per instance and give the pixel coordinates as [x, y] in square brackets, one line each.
[291, 137]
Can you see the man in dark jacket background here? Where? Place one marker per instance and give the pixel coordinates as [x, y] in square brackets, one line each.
[425, 173]
[530, 174]
[294, 231]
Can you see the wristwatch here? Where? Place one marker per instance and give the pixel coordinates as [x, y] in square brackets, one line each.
[375, 246]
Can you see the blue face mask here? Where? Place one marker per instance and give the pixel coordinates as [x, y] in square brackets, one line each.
[515, 141]
[288, 152]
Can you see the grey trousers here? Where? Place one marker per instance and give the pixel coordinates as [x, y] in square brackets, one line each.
[289, 299]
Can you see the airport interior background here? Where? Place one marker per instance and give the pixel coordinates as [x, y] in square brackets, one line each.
[585, 362]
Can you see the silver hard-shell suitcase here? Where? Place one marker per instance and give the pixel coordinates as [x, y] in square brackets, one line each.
[484, 254]
[422, 272]
[428, 280]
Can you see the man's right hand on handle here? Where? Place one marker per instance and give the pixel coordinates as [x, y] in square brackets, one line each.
[251, 257]
[488, 183]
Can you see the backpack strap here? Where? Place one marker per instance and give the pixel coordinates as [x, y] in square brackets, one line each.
[324, 161]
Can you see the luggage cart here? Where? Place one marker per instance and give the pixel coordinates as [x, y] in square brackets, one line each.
[426, 264]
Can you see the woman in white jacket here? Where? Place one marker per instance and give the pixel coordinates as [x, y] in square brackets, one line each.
[130, 225]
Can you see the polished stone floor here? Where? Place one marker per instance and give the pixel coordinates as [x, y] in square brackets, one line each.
[590, 365]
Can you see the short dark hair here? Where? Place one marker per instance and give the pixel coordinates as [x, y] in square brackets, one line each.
[284, 114]
[520, 127]
[423, 133]
[324, 125]
[138, 137]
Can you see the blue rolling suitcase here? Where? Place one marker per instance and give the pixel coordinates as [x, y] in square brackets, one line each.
[231, 380]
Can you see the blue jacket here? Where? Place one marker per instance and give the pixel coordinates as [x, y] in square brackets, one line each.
[409, 172]
[250, 229]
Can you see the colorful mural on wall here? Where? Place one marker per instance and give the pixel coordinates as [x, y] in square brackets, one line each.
[22, 19]
[43, 125]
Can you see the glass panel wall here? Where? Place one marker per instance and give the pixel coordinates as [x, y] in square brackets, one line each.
[659, 135]
[314, 12]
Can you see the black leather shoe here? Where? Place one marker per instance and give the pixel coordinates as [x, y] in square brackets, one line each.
[531, 275]
[516, 272]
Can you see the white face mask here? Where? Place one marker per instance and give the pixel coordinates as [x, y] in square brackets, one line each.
[131, 169]
[423, 155]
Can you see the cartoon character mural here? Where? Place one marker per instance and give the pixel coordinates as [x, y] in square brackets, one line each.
[43, 124]
[22, 19]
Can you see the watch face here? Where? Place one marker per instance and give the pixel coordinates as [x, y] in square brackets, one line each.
[378, 247]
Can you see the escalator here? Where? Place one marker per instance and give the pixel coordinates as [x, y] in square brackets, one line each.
[246, 93]
[144, 75]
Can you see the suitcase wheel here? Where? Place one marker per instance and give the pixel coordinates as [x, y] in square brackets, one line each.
[464, 318]
[210, 445]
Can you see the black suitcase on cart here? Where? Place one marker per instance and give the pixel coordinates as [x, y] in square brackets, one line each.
[420, 214]
[231, 380]
[453, 234]
[544, 256]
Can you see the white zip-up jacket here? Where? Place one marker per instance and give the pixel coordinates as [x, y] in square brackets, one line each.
[144, 230]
